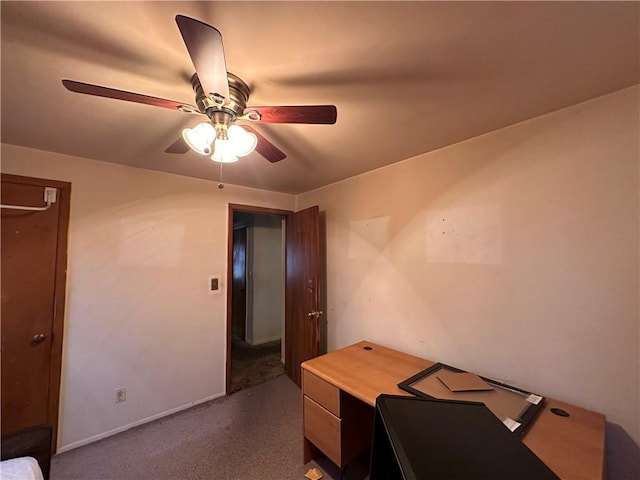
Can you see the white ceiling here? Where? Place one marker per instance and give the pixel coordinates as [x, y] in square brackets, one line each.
[406, 77]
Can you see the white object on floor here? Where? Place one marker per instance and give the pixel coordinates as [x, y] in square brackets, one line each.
[21, 468]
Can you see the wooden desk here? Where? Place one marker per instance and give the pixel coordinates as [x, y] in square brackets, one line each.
[340, 391]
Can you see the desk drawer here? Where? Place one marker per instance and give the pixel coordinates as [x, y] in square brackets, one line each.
[323, 428]
[321, 391]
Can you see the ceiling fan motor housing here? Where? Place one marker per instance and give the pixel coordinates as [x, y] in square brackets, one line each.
[222, 114]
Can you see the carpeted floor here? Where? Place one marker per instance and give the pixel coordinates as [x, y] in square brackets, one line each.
[252, 365]
[254, 434]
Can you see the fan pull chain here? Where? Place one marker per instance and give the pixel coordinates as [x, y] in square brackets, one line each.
[220, 185]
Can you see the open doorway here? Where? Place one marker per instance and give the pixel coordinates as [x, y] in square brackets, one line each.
[257, 298]
[301, 262]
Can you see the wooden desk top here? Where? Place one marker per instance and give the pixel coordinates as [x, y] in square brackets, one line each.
[573, 447]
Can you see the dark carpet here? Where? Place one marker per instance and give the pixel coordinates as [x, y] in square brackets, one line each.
[254, 434]
[252, 365]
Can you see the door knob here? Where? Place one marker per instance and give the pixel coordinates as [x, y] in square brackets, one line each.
[38, 337]
[315, 314]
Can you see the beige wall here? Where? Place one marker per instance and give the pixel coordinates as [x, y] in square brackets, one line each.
[514, 254]
[265, 289]
[142, 245]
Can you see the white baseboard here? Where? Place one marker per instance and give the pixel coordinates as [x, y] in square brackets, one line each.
[109, 433]
[265, 340]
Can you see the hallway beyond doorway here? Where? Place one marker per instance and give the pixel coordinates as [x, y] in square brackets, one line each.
[254, 364]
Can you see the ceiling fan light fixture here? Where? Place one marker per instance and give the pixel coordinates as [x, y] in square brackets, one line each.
[224, 152]
[222, 97]
[243, 142]
[200, 138]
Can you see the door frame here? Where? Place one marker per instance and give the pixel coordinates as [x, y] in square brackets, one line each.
[55, 371]
[234, 207]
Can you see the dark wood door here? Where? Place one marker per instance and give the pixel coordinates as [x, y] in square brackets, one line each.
[239, 283]
[302, 331]
[33, 277]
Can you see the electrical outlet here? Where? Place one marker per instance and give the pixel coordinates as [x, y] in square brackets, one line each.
[121, 394]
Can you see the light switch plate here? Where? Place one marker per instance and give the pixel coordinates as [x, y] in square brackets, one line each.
[215, 284]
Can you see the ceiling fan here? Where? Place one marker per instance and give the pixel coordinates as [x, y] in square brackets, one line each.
[222, 97]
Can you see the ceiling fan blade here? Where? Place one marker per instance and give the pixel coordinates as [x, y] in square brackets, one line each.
[204, 44]
[317, 114]
[98, 91]
[179, 146]
[265, 148]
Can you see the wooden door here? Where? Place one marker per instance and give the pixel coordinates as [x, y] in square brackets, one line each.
[33, 282]
[239, 283]
[302, 309]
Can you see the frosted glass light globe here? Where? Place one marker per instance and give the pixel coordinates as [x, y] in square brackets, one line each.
[224, 152]
[200, 138]
[243, 142]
